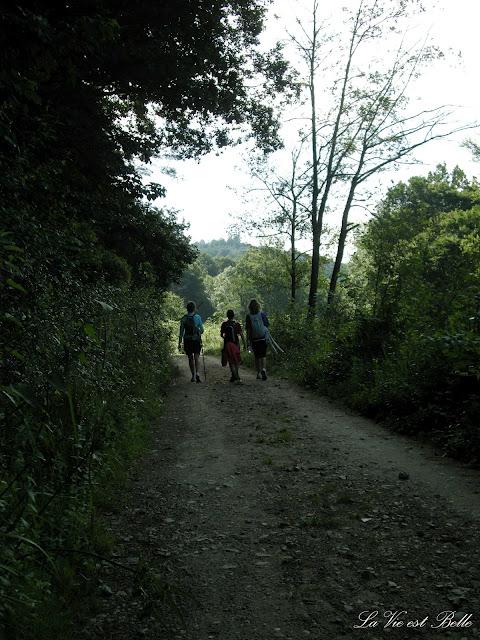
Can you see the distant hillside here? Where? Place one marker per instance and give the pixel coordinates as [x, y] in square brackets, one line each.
[232, 247]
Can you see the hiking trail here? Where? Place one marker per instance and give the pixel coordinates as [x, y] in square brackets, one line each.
[264, 511]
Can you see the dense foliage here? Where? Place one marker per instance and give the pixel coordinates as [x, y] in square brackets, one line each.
[232, 247]
[217, 283]
[402, 342]
[90, 90]
[200, 283]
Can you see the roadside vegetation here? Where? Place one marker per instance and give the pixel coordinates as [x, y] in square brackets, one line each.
[86, 259]
[94, 272]
[401, 341]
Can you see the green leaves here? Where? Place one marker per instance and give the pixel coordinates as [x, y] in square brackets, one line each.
[20, 392]
[89, 330]
[15, 285]
[84, 256]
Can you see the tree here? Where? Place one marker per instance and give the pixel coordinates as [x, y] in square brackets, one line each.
[193, 286]
[406, 212]
[367, 126]
[420, 261]
[89, 92]
[286, 215]
[474, 148]
[260, 273]
[102, 86]
[232, 247]
[214, 264]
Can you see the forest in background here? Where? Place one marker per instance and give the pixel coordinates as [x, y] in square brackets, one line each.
[402, 341]
[90, 92]
[93, 271]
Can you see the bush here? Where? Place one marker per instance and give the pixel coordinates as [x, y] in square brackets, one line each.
[82, 381]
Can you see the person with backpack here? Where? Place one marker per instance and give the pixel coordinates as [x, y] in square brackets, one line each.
[191, 329]
[231, 331]
[256, 324]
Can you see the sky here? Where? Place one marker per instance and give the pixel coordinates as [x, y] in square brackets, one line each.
[210, 193]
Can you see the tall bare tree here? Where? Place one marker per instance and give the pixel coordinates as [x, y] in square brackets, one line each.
[286, 214]
[364, 123]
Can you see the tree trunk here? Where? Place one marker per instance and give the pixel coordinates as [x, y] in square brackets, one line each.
[293, 263]
[316, 228]
[312, 296]
[338, 260]
[341, 246]
[317, 214]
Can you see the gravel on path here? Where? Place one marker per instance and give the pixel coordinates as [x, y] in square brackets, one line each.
[263, 511]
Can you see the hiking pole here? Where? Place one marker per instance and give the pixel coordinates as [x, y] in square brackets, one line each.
[275, 346]
[204, 369]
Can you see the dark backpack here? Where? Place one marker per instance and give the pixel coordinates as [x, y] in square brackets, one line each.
[230, 333]
[190, 328]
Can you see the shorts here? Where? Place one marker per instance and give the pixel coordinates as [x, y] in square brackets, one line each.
[259, 348]
[191, 346]
[232, 353]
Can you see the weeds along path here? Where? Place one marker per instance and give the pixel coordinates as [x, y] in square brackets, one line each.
[263, 511]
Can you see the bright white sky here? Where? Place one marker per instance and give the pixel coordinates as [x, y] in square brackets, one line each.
[208, 192]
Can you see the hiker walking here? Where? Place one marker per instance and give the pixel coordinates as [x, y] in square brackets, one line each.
[231, 331]
[191, 329]
[256, 324]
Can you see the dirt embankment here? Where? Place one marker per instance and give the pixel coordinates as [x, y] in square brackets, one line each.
[263, 511]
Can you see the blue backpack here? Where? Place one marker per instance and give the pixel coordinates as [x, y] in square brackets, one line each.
[259, 330]
[190, 328]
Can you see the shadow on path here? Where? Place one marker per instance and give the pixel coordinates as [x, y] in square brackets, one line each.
[263, 511]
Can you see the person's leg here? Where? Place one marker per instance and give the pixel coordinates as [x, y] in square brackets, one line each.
[258, 366]
[235, 372]
[197, 355]
[191, 365]
[232, 372]
[264, 367]
[258, 358]
[263, 359]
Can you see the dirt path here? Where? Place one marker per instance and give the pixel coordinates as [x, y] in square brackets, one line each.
[263, 511]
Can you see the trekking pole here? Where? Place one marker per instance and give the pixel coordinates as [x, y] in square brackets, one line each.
[204, 369]
[274, 344]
